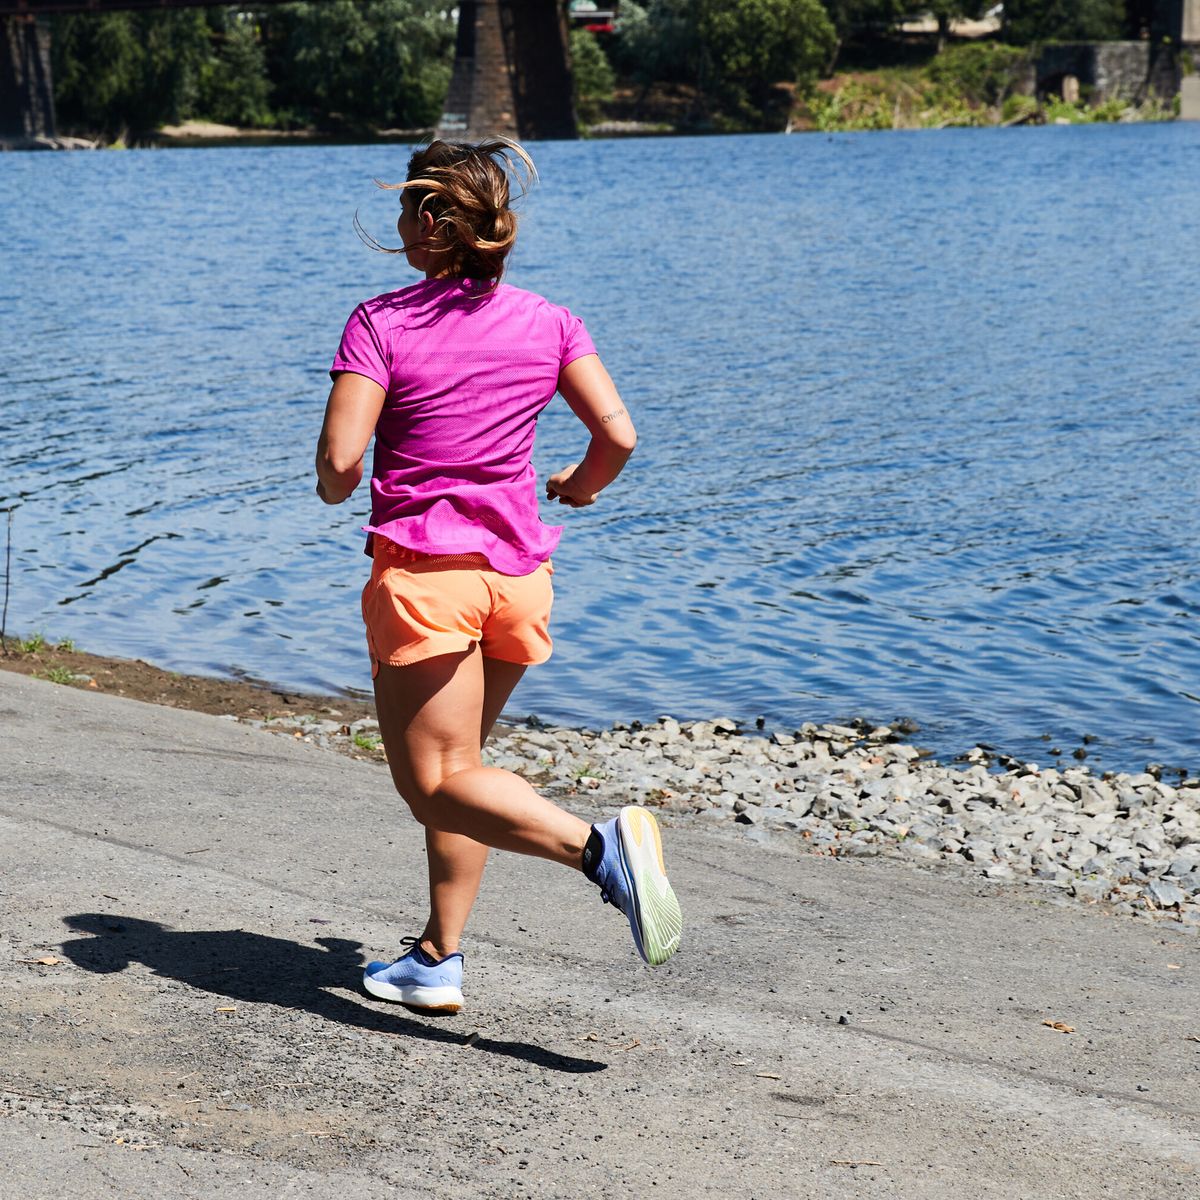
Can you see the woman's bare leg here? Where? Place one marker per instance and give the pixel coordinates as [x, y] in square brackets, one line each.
[431, 716]
[456, 862]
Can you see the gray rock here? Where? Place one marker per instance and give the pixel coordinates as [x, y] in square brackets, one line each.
[1164, 893]
[800, 803]
[1091, 890]
[979, 851]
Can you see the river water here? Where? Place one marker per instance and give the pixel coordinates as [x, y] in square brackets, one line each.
[918, 418]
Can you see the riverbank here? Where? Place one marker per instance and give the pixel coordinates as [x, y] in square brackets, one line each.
[1128, 841]
[850, 103]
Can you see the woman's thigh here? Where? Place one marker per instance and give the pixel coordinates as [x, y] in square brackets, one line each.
[499, 680]
[430, 717]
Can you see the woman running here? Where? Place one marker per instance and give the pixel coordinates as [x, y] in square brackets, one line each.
[450, 375]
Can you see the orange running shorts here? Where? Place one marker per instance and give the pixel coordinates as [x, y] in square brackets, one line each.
[416, 606]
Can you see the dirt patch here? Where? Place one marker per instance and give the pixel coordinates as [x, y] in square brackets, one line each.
[139, 680]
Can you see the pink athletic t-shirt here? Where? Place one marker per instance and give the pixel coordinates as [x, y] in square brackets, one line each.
[467, 372]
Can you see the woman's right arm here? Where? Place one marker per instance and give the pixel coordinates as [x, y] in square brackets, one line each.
[585, 385]
[351, 415]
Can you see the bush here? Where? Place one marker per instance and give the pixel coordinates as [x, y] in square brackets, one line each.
[1018, 108]
[857, 105]
[979, 72]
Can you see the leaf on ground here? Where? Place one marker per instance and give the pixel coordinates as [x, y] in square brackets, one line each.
[1061, 1026]
[47, 960]
[590, 1037]
[765, 1075]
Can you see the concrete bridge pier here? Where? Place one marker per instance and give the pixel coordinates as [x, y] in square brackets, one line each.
[511, 74]
[26, 88]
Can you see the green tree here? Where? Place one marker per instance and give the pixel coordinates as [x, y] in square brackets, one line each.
[854, 17]
[749, 45]
[373, 63]
[233, 84]
[1028, 21]
[593, 74]
[656, 42]
[733, 51]
[127, 71]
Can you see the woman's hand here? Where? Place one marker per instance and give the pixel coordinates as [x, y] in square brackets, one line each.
[586, 387]
[566, 487]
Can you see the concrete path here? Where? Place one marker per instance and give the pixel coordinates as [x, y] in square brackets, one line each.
[212, 891]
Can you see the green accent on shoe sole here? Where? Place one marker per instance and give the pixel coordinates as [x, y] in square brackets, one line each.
[662, 920]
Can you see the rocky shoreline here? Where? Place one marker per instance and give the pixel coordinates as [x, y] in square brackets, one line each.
[1128, 841]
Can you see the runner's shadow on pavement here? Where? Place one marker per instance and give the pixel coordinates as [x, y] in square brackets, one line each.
[258, 969]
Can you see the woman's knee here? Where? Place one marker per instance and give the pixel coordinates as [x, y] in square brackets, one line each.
[420, 790]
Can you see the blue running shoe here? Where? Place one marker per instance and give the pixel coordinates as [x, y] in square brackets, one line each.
[418, 980]
[624, 857]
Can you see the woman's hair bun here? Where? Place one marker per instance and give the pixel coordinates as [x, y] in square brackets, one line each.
[466, 189]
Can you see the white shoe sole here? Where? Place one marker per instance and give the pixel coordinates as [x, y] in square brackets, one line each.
[656, 919]
[435, 999]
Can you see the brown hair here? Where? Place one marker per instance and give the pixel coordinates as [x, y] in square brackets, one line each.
[465, 188]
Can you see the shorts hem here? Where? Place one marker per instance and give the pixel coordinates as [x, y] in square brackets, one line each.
[517, 662]
[409, 660]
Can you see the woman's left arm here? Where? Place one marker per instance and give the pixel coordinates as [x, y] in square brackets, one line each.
[355, 403]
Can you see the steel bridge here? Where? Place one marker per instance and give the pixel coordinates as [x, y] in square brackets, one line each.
[511, 76]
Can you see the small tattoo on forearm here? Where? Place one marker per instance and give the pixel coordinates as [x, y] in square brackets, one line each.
[612, 416]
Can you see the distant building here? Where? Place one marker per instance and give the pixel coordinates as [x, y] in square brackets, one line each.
[594, 17]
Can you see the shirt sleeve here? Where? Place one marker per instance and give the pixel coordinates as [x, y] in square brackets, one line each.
[363, 350]
[575, 339]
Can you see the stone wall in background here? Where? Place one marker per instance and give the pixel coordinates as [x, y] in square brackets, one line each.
[1110, 70]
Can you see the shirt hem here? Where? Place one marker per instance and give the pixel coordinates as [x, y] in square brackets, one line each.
[503, 568]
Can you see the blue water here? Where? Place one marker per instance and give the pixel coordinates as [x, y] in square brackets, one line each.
[918, 418]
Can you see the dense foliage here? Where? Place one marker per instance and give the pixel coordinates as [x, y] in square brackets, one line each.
[128, 70]
[332, 63]
[371, 64]
[1028, 21]
[733, 53]
[593, 74]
